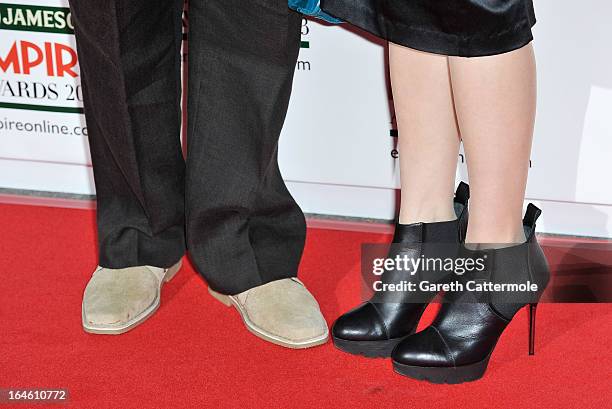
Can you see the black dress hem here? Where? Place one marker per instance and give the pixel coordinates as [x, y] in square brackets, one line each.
[437, 42]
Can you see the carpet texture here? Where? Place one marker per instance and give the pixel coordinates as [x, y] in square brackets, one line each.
[195, 352]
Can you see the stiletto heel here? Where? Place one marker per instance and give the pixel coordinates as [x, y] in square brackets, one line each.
[532, 322]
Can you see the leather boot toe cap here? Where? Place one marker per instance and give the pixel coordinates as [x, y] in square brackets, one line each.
[360, 324]
[423, 349]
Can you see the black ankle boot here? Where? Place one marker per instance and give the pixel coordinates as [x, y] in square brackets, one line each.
[374, 328]
[457, 346]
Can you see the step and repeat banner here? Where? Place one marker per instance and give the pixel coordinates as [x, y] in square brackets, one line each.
[338, 148]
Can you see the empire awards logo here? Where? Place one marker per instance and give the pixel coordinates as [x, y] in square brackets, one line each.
[38, 72]
[55, 59]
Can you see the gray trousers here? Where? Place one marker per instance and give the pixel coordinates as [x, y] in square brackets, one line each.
[226, 203]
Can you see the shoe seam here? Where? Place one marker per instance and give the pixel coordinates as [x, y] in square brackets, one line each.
[446, 347]
[384, 324]
[246, 298]
[164, 271]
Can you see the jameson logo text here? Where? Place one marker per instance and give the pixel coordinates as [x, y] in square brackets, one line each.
[54, 59]
[35, 18]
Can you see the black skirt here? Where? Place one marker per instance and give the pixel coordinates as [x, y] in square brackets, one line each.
[466, 28]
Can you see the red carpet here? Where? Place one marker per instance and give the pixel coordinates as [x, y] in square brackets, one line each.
[196, 353]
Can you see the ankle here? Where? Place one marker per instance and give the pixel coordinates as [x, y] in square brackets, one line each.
[495, 238]
[427, 213]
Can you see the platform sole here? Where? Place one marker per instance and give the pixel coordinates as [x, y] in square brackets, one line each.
[454, 375]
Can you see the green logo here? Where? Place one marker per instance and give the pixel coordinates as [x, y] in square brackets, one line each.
[23, 17]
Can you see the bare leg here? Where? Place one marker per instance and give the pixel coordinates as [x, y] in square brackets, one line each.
[495, 101]
[428, 135]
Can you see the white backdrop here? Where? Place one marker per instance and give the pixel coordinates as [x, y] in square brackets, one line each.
[337, 153]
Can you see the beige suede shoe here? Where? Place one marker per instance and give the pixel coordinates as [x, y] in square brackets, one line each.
[282, 312]
[117, 300]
